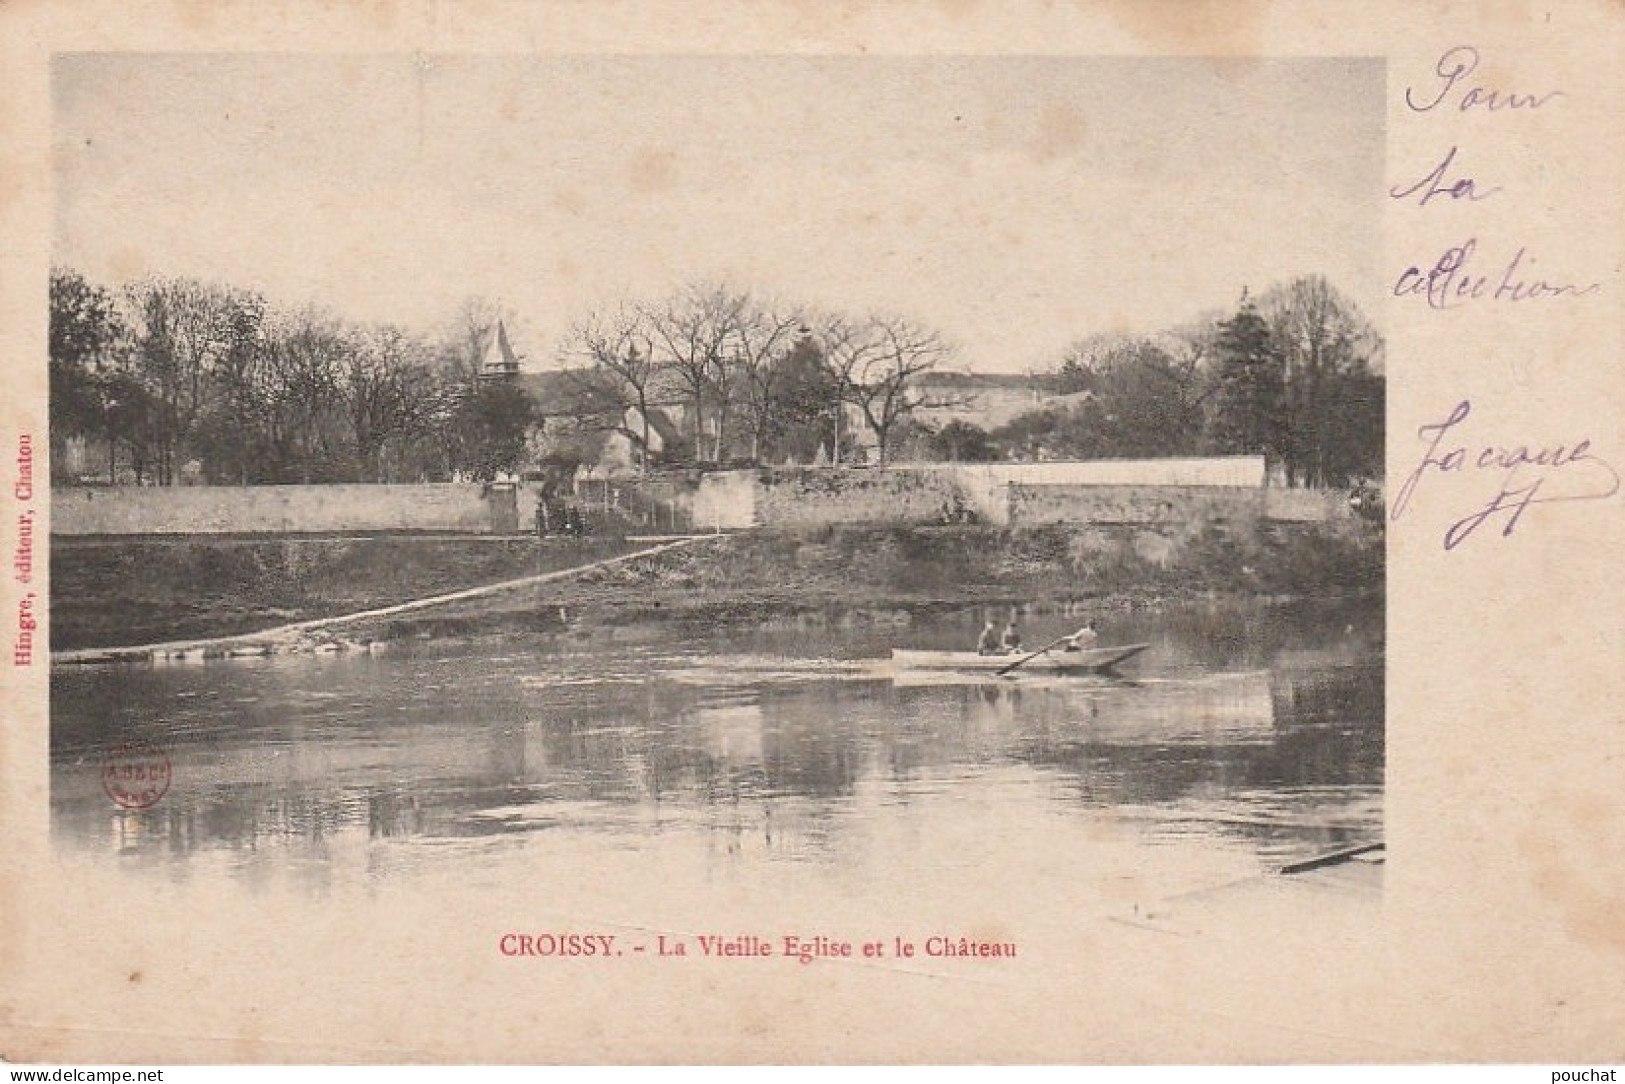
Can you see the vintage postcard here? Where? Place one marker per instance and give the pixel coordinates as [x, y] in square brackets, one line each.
[912, 533]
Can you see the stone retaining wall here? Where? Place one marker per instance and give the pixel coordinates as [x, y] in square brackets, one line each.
[137, 510]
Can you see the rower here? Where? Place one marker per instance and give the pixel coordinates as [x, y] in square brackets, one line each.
[1083, 639]
[988, 642]
[1011, 640]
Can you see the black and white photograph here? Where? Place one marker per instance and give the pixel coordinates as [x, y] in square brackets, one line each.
[893, 517]
[901, 534]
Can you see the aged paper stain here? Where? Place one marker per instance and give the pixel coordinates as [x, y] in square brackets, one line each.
[1063, 130]
[653, 169]
[1587, 905]
[1193, 26]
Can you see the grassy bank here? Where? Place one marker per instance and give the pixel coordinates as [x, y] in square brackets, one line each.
[767, 574]
[969, 564]
[122, 591]
[126, 591]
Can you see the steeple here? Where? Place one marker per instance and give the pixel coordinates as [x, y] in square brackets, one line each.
[500, 362]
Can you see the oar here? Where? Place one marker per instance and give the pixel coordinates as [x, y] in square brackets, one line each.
[1003, 670]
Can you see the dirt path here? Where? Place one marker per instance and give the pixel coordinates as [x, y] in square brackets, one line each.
[281, 637]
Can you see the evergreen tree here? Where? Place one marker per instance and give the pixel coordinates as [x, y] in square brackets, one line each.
[1352, 430]
[801, 405]
[490, 429]
[1249, 413]
[86, 333]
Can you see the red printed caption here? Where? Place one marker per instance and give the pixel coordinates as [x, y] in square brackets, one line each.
[22, 557]
[796, 947]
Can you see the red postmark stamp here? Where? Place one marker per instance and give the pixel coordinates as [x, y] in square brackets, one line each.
[136, 774]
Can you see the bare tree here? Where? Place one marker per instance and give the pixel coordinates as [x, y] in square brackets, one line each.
[475, 326]
[878, 361]
[229, 444]
[1323, 336]
[763, 336]
[300, 380]
[846, 348]
[692, 331]
[1085, 359]
[385, 388]
[618, 349]
[184, 330]
[1193, 344]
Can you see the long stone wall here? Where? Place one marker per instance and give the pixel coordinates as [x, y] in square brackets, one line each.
[724, 500]
[1100, 491]
[1033, 505]
[985, 486]
[819, 497]
[463, 507]
[1306, 505]
[1103, 492]
[1240, 471]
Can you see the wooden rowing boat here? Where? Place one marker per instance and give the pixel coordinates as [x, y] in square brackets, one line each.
[1086, 661]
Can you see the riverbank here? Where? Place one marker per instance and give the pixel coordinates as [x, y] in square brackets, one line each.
[124, 590]
[128, 591]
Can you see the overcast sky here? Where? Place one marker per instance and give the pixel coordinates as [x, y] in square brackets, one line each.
[1015, 204]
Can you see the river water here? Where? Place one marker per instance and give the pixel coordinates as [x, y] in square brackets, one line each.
[1244, 738]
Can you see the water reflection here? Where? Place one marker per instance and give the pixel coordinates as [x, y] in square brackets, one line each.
[1263, 734]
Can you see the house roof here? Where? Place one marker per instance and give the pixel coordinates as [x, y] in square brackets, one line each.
[965, 381]
[568, 393]
[582, 392]
[661, 423]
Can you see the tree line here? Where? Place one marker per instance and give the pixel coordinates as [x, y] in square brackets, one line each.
[760, 381]
[1294, 375]
[183, 380]
[174, 376]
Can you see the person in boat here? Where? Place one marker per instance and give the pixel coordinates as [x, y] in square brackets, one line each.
[988, 642]
[1083, 639]
[1011, 640]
